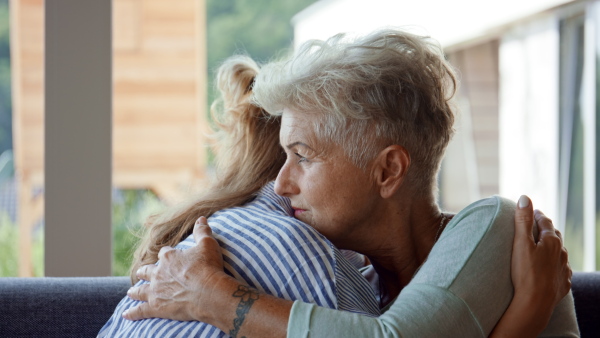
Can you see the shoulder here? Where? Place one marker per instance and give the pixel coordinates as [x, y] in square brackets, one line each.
[491, 218]
[486, 213]
[268, 219]
[472, 259]
[479, 238]
[275, 252]
[267, 198]
[265, 222]
[488, 222]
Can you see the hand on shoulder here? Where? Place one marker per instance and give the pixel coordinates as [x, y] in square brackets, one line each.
[540, 273]
[540, 268]
[182, 280]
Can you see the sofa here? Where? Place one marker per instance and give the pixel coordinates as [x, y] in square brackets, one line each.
[79, 306]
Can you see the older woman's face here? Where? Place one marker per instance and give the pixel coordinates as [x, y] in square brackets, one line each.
[327, 191]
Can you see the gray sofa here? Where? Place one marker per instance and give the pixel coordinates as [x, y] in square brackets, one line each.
[79, 306]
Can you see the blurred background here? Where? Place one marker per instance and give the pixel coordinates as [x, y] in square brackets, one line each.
[528, 104]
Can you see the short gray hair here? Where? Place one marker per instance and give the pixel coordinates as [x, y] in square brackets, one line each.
[393, 85]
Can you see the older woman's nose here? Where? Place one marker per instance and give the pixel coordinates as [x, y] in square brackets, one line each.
[284, 183]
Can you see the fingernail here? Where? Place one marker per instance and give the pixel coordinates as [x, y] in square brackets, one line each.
[138, 272]
[129, 292]
[523, 202]
[125, 313]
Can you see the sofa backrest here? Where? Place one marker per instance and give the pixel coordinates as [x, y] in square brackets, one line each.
[79, 306]
[58, 307]
[586, 291]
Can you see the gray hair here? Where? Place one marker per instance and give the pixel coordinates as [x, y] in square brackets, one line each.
[389, 87]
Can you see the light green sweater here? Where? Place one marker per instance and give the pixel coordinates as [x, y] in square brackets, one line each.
[462, 290]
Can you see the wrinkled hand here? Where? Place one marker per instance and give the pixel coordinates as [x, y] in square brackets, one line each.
[180, 284]
[540, 268]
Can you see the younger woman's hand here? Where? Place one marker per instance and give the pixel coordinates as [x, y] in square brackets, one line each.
[540, 273]
[540, 268]
[180, 285]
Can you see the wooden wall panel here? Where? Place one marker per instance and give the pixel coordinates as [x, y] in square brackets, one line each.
[27, 73]
[159, 99]
[478, 92]
[156, 97]
[157, 103]
[27, 39]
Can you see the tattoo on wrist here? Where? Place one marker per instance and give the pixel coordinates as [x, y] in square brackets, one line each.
[248, 297]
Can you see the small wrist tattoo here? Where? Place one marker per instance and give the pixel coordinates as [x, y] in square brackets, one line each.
[248, 297]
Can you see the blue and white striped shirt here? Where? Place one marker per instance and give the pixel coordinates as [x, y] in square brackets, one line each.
[272, 252]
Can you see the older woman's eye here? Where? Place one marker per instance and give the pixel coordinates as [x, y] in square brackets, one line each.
[301, 158]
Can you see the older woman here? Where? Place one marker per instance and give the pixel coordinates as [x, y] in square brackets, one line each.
[365, 124]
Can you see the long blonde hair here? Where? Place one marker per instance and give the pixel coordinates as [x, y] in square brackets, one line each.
[248, 157]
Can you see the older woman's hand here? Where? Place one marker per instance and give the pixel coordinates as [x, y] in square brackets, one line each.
[181, 281]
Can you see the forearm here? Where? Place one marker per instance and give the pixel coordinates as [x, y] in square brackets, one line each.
[241, 311]
[523, 318]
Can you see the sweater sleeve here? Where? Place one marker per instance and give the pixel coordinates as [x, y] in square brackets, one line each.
[462, 289]
[421, 311]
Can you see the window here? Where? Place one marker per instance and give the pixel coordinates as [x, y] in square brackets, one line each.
[579, 109]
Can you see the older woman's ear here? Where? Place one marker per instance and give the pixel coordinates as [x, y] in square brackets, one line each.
[390, 169]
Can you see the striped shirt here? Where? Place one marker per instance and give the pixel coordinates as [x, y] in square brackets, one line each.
[272, 252]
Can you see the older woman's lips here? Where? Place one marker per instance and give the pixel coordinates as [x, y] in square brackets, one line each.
[298, 212]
